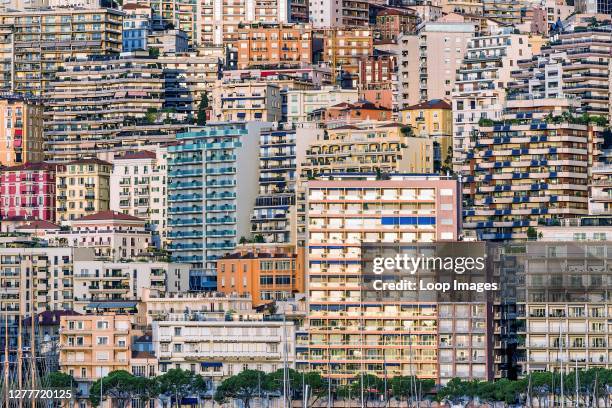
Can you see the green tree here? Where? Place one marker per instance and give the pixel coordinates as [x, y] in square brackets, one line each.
[179, 384]
[153, 52]
[243, 386]
[58, 380]
[119, 386]
[405, 388]
[201, 117]
[373, 387]
[532, 234]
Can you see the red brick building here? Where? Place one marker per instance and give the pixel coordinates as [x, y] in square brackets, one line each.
[28, 191]
[391, 23]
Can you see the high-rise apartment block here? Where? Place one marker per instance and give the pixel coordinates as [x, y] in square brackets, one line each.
[21, 133]
[428, 61]
[343, 13]
[281, 151]
[28, 191]
[480, 85]
[521, 175]
[42, 39]
[343, 48]
[82, 188]
[212, 184]
[99, 106]
[346, 334]
[138, 188]
[277, 45]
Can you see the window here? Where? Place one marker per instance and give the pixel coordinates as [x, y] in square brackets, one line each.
[102, 340]
[102, 325]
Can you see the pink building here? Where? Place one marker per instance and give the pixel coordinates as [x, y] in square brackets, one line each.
[28, 191]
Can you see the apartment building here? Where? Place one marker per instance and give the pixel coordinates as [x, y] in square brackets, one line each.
[33, 279]
[280, 152]
[432, 119]
[42, 39]
[359, 148]
[91, 346]
[586, 228]
[560, 310]
[506, 11]
[246, 101]
[585, 68]
[574, 65]
[378, 80]
[298, 11]
[97, 102]
[480, 85]
[277, 45]
[82, 188]
[594, 6]
[216, 22]
[428, 60]
[344, 47]
[21, 136]
[218, 349]
[267, 272]
[163, 308]
[523, 175]
[342, 214]
[344, 13]
[600, 195]
[392, 23]
[138, 188]
[28, 191]
[112, 235]
[212, 184]
[300, 103]
[462, 6]
[136, 26]
[106, 281]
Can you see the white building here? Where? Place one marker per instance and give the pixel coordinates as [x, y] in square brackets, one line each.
[301, 102]
[96, 280]
[482, 79]
[138, 188]
[157, 307]
[221, 348]
[112, 235]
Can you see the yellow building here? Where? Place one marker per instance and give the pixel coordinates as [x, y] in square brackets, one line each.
[91, 346]
[82, 188]
[21, 137]
[432, 119]
[365, 147]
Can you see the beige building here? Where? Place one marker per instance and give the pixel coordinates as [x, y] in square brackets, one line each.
[53, 35]
[91, 346]
[428, 61]
[157, 307]
[300, 103]
[112, 235]
[82, 188]
[21, 135]
[361, 148]
[246, 102]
